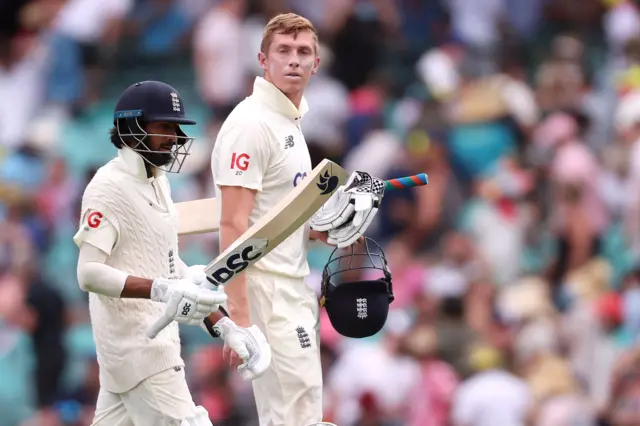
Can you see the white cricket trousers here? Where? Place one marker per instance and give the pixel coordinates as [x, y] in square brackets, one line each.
[160, 400]
[286, 310]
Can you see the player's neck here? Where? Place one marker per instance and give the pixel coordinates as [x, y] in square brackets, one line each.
[295, 98]
[149, 170]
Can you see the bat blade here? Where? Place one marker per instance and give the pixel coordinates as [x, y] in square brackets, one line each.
[197, 216]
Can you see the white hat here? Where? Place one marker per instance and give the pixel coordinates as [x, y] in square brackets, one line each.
[438, 72]
[628, 111]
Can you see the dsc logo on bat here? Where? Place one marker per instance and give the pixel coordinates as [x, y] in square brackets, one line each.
[238, 260]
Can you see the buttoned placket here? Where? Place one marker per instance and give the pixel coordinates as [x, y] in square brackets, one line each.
[160, 198]
[297, 124]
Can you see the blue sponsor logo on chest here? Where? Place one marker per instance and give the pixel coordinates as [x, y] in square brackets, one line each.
[298, 177]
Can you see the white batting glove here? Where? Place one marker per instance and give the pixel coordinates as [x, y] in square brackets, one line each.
[200, 417]
[186, 302]
[350, 210]
[196, 274]
[250, 345]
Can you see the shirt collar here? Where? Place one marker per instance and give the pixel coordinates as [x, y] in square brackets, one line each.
[135, 165]
[267, 92]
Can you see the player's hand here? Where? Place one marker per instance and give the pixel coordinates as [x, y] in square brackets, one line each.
[350, 210]
[196, 274]
[186, 302]
[324, 237]
[248, 344]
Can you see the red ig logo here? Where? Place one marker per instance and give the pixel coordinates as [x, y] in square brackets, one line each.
[240, 161]
[94, 219]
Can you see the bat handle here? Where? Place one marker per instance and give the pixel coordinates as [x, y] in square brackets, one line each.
[407, 182]
[158, 326]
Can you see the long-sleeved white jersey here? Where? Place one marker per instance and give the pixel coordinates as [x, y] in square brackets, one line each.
[121, 202]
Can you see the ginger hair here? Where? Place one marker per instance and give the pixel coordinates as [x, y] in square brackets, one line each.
[287, 23]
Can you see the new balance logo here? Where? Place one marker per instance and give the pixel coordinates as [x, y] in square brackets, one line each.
[288, 142]
[303, 337]
[186, 309]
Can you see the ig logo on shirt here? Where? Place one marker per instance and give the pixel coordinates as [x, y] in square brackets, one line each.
[240, 162]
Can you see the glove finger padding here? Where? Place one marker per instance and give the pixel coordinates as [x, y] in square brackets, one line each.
[360, 193]
[250, 345]
[348, 234]
[237, 344]
[260, 361]
[204, 309]
[196, 274]
[200, 417]
[212, 299]
[333, 213]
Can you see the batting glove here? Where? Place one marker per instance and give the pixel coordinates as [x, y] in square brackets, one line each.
[200, 417]
[250, 345]
[186, 302]
[350, 210]
[196, 274]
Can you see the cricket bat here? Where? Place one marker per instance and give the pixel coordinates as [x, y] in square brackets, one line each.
[197, 216]
[278, 224]
[201, 216]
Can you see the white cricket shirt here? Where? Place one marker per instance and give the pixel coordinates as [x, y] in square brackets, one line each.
[260, 146]
[121, 198]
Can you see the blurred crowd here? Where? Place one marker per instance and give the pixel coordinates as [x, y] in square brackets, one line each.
[516, 270]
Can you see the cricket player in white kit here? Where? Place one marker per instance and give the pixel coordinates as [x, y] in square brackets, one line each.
[130, 265]
[260, 155]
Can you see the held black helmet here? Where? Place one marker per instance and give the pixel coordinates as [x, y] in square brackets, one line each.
[357, 306]
[152, 101]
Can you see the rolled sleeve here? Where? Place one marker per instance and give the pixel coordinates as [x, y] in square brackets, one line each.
[96, 229]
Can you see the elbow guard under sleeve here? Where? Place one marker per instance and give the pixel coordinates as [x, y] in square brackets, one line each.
[95, 276]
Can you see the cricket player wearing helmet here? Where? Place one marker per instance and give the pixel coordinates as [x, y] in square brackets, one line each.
[260, 155]
[129, 263]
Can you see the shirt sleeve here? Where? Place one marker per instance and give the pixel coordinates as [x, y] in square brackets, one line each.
[95, 276]
[96, 229]
[242, 157]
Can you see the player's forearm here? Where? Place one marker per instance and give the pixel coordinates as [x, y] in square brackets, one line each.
[216, 316]
[137, 288]
[236, 290]
[95, 277]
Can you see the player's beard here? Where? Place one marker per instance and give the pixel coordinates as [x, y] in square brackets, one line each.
[158, 159]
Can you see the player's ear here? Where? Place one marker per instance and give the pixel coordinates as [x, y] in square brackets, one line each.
[262, 60]
[316, 65]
